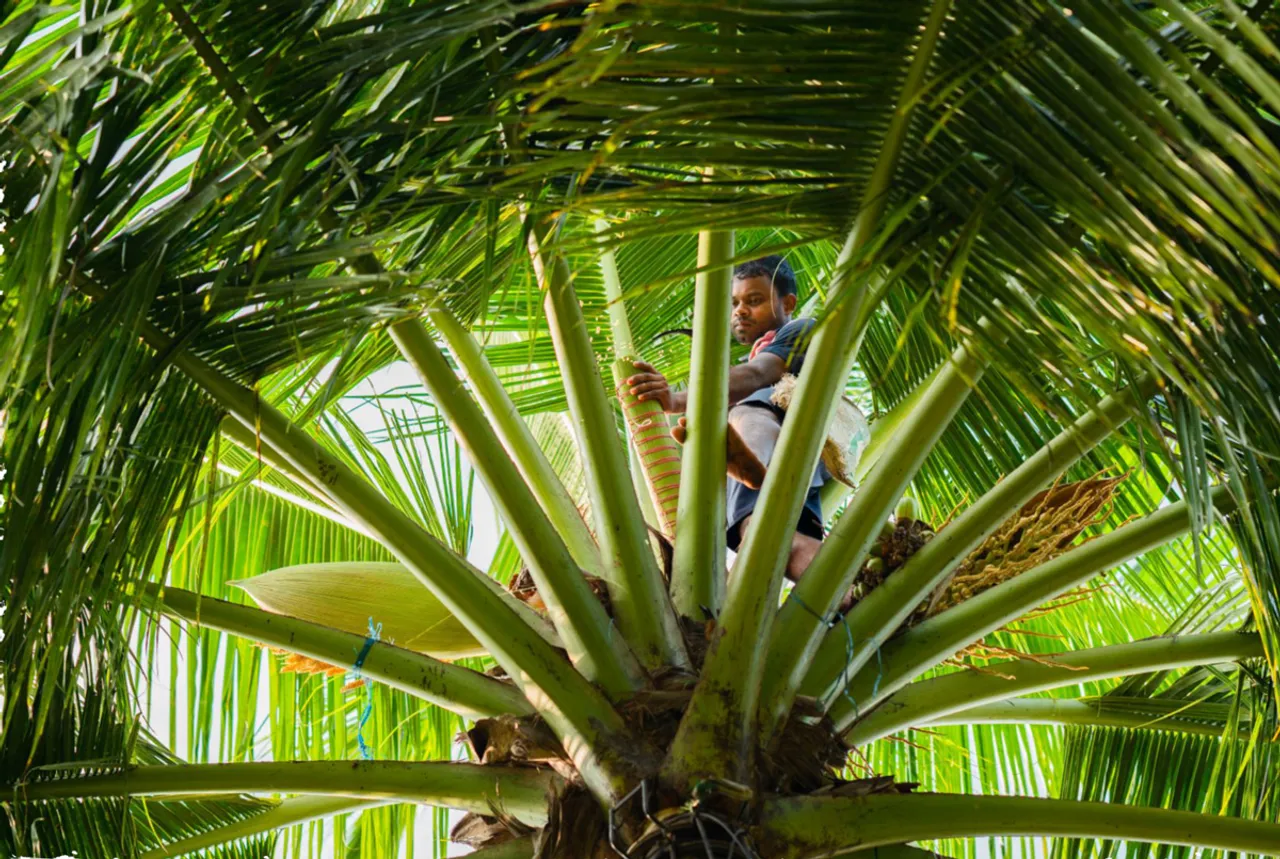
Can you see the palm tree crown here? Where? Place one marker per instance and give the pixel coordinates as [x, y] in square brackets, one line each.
[1039, 240]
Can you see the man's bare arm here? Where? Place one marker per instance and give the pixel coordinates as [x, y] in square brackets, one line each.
[760, 372]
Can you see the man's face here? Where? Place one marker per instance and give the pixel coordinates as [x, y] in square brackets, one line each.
[757, 309]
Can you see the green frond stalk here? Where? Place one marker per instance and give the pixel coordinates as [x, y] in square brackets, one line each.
[1077, 712]
[647, 425]
[698, 569]
[575, 611]
[290, 812]
[821, 827]
[718, 735]
[455, 582]
[516, 437]
[578, 712]
[460, 690]
[521, 792]
[878, 615]
[636, 588]
[797, 633]
[248, 441]
[937, 638]
[921, 702]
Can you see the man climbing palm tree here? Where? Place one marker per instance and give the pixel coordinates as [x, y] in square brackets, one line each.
[764, 299]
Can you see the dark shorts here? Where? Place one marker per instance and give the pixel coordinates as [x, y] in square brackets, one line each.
[741, 501]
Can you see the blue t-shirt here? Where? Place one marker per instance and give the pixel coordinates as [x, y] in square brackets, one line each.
[791, 343]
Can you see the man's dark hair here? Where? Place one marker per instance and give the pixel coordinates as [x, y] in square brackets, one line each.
[774, 267]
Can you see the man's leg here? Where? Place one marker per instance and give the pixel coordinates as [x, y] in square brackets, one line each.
[750, 437]
[803, 550]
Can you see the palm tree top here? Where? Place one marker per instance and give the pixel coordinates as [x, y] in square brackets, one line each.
[1039, 240]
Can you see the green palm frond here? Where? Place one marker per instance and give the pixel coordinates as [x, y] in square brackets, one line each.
[266, 193]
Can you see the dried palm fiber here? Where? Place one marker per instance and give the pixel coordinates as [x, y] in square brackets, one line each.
[659, 453]
[525, 589]
[847, 434]
[1044, 528]
[296, 663]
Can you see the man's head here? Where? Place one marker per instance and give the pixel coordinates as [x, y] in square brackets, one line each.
[764, 297]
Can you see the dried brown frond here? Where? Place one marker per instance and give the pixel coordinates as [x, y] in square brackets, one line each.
[523, 588]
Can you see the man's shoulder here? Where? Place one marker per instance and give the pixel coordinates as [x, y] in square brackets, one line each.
[800, 323]
[796, 328]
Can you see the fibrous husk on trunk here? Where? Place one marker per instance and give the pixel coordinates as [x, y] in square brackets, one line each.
[809, 756]
[523, 588]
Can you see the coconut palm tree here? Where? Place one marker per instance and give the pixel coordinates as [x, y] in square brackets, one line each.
[1040, 242]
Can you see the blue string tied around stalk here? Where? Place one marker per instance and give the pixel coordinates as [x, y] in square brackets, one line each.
[837, 619]
[375, 633]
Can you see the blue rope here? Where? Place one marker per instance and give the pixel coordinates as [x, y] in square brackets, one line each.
[831, 622]
[375, 633]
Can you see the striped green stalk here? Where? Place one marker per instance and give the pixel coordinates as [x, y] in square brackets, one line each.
[878, 615]
[290, 812]
[718, 735]
[698, 573]
[517, 438]
[800, 626]
[639, 485]
[937, 638]
[840, 826]
[521, 792]
[575, 710]
[1083, 712]
[468, 693]
[921, 702]
[646, 422]
[575, 611]
[636, 588]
